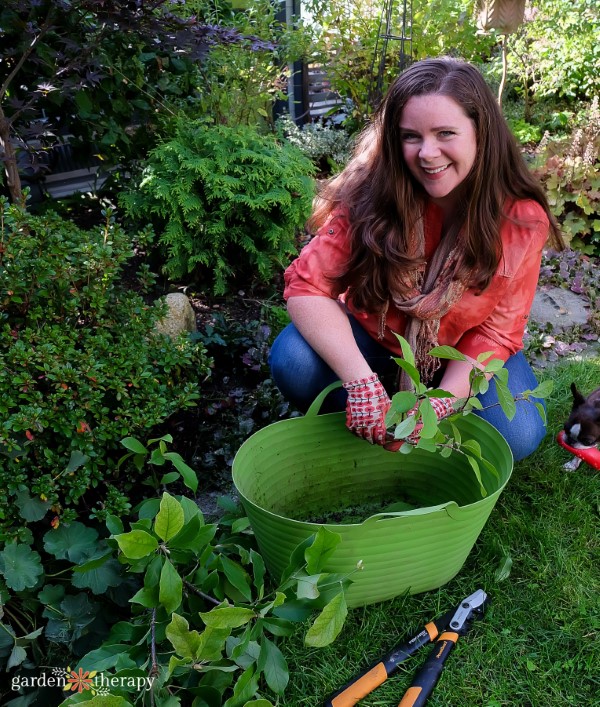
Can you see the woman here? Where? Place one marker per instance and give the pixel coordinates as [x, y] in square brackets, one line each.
[435, 231]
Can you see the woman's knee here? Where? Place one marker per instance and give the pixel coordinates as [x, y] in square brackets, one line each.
[299, 372]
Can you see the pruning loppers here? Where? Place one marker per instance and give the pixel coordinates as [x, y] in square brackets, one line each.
[444, 631]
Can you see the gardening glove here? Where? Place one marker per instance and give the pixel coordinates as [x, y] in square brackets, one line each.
[442, 407]
[366, 409]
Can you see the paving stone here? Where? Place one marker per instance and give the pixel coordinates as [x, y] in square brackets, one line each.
[559, 307]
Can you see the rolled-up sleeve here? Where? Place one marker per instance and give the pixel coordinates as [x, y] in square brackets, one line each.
[319, 260]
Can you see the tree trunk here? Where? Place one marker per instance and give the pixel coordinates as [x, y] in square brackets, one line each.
[11, 169]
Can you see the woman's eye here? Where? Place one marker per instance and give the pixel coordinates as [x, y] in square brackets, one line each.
[446, 133]
[409, 137]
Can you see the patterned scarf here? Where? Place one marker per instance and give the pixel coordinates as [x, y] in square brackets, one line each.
[429, 291]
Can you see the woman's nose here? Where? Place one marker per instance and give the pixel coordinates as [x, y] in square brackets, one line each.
[429, 149]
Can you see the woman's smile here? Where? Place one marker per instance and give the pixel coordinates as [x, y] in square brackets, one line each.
[439, 145]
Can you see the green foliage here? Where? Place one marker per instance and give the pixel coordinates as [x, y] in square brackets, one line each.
[569, 171]
[327, 147]
[434, 438]
[555, 52]
[236, 86]
[525, 132]
[81, 365]
[227, 201]
[191, 605]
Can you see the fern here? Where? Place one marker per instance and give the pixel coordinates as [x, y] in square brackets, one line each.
[225, 201]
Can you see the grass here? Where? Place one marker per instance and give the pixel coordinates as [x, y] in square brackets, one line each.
[538, 644]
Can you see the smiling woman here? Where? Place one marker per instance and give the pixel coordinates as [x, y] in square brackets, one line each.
[439, 147]
[434, 231]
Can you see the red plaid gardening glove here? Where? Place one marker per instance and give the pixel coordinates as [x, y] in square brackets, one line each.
[366, 408]
[442, 408]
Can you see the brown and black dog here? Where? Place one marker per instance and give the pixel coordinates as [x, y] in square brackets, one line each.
[582, 429]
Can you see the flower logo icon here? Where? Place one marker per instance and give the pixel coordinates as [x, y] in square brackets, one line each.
[80, 681]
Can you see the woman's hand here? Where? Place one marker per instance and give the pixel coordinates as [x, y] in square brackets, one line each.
[366, 408]
[442, 407]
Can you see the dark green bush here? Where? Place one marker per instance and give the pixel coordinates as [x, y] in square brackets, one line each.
[226, 201]
[81, 365]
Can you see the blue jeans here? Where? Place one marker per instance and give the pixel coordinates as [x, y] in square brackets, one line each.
[301, 374]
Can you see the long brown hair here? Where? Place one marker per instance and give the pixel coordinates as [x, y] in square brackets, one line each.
[383, 201]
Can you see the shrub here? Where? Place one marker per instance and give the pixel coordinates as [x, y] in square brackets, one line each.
[569, 172]
[227, 202]
[327, 147]
[81, 365]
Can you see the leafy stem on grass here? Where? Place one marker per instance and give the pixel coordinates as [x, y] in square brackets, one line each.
[412, 408]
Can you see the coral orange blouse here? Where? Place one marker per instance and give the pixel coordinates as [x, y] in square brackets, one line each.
[493, 320]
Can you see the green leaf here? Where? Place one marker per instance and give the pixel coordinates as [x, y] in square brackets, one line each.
[193, 535]
[98, 579]
[307, 587]
[77, 459]
[429, 419]
[405, 427]
[447, 352]
[21, 566]
[503, 571]
[17, 656]
[227, 617]
[114, 525]
[407, 352]
[494, 365]
[185, 642]
[328, 623]
[485, 355]
[7, 639]
[477, 472]
[238, 576]
[401, 402]
[542, 411]
[189, 476]
[212, 643]
[411, 371]
[473, 447]
[427, 444]
[169, 478]
[136, 544]
[244, 689]
[506, 400]
[75, 542]
[272, 663]
[169, 520]
[258, 565]
[543, 390]
[321, 550]
[134, 445]
[170, 590]
[31, 509]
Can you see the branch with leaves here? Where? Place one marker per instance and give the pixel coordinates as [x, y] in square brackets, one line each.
[434, 438]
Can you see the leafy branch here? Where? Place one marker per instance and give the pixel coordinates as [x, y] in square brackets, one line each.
[411, 409]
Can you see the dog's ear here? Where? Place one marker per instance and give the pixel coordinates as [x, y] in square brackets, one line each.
[578, 398]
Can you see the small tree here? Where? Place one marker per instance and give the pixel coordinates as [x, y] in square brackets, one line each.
[94, 70]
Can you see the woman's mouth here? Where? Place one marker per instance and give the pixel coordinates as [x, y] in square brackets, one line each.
[435, 170]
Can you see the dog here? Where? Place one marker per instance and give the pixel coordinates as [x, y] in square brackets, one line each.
[582, 429]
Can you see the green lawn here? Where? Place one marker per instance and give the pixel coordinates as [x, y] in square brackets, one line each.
[539, 642]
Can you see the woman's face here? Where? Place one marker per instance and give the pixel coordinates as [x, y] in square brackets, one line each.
[439, 146]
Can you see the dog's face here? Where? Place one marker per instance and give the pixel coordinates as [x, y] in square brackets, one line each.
[582, 429]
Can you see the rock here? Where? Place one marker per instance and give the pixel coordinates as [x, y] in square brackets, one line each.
[179, 318]
[559, 307]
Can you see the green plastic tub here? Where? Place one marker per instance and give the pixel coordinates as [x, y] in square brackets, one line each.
[295, 471]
